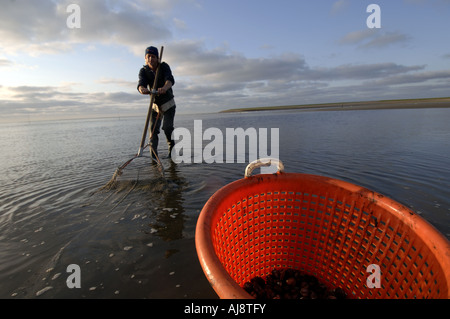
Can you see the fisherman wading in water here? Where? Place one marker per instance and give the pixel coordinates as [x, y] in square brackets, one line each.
[164, 101]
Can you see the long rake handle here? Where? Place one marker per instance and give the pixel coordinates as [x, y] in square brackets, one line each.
[150, 107]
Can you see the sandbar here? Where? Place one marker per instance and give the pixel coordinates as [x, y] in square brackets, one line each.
[349, 106]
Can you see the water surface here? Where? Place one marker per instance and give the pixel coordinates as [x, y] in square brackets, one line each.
[137, 241]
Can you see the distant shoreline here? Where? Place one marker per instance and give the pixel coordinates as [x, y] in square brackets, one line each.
[349, 106]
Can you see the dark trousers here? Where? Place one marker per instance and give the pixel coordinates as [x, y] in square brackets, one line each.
[167, 119]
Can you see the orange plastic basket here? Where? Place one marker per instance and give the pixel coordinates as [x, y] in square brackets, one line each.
[325, 227]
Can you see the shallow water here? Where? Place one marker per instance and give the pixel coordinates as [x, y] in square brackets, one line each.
[137, 241]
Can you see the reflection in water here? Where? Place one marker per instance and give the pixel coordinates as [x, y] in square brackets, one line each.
[169, 223]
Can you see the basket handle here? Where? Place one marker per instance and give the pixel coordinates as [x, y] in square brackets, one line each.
[263, 162]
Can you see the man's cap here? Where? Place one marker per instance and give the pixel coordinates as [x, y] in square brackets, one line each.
[151, 50]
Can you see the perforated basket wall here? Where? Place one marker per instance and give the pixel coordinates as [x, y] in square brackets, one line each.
[328, 228]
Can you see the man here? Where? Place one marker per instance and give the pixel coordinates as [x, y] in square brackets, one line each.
[164, 102]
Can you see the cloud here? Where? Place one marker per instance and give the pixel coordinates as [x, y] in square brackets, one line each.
[417, 77]
[339, 6]
[206, 79]
[60, 102]
[179, 24]
[219, 65]
[216, 79]
[5, 62]
[356, 37]
[374, 38]
[40, 27]
[305, 84]
[387, 39]
[222, 79]
[360, 72]
[118, 82]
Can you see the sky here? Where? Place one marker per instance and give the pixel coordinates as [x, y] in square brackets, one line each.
[57, 62]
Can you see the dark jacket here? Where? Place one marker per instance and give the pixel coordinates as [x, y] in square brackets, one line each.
[147, 77]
